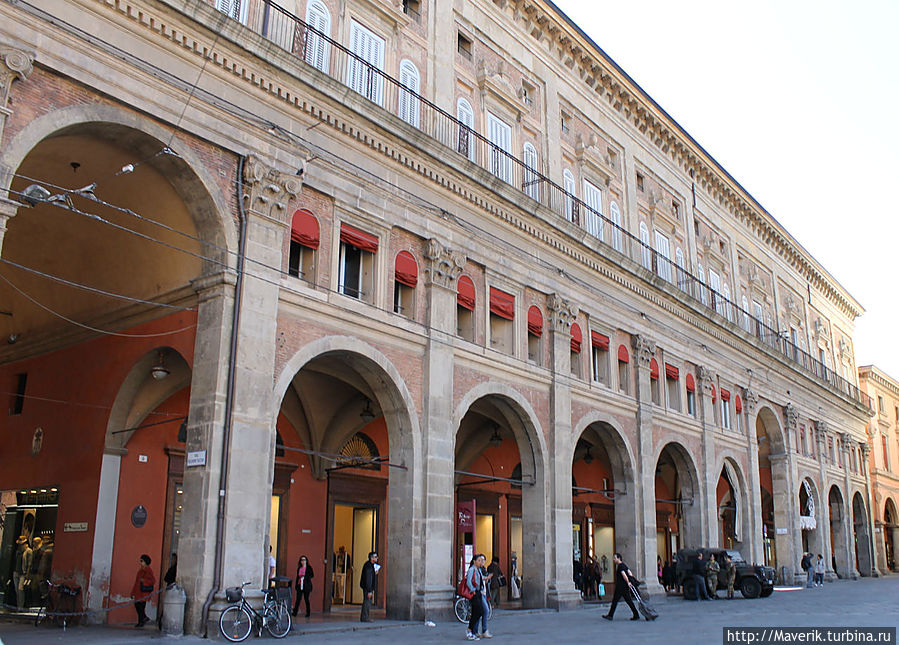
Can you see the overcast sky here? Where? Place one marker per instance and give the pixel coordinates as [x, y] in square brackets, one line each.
[799, 101]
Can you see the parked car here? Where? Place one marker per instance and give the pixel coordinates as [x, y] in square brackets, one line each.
[752, 580]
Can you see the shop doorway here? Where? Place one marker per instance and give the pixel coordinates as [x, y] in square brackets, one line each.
[355, 536]
[27, 536]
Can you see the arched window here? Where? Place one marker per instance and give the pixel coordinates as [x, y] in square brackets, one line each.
[570, 204]
[535, 332]
[645, 249]
[531, 185]
[593, 213]
[466, 142]
[360, 452]
[304, 242]
[318, 49]
[409, 105]
[617, 237]
[680, 261]
[465, 301]
[405, 281]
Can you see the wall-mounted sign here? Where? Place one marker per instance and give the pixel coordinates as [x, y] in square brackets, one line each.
[139, 516]
[74, 527]
[781, 531]
[196, 458]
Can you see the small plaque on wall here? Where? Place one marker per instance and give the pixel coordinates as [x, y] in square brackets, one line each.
[139, 516]
[74, 527]
[196, 458]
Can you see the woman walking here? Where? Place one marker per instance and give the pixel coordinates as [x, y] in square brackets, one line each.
[303, 584]
[144, 584]
[474, 580]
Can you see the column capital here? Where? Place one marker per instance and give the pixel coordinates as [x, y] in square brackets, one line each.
[845, 439]
[269, 191]
[791, 417]
[821, 432]
[15, 64]
[562, 313]
[750, 401]
[866, 450]
[444, 265]
[706, 379]
[644, 348]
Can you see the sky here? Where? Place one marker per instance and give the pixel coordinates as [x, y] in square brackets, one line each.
[799, 102]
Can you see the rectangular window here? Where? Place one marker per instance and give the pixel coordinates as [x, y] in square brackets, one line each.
[502, 316]
[18, 399]
[672, 384]
[301, 263]
[366, 78]
[691, 403]
[463, 46]
[663, 249]
[715, 285]
[639, 182]
[403, 299]
[600, 358]
[356, 272]
[880, 406]
[886, 452]
[725, 413]
[593, 216]
[499, 134]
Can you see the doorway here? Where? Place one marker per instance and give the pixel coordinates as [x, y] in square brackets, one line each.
[355, 536]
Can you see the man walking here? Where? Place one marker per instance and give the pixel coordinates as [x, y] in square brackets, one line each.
[369, 583]
[622, 588]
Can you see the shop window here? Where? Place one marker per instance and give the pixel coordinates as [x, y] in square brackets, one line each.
[465, 299]
[502, 316]
[357, 258]
[405, 281]
[600, 357]
[672, 385]
[691, 395]
[576, 340]
[18, 399]
[623, 371]
[304, 243]
[725, 409]
[30, 513]
[535, 333]
[654, 387]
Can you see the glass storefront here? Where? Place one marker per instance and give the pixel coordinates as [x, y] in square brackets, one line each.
[27, 538]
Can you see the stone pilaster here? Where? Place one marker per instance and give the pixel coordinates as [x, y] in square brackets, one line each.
[644, 348]
[792, 541]
[756, 550]
[249, 453]
[561, 592]
[434, 595]
[15, 65]
[708, 478]
[865, 545]
[823, 509]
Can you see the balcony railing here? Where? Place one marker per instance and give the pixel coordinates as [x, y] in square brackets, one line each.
[330, 57]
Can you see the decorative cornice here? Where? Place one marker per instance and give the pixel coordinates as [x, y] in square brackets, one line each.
[562, 313]
[644, 348]
[269, 191]
[444, 265]
[873, 373]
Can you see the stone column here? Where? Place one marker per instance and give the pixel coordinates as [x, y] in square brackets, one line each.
[708, 479]
[434, 596]
[842, 547]
[561, 592]
[793, 538]
[8, 210]
[823, 508]
[756, 548]
[644, 348]
[244, 497]
[895, 533]
[869, 567]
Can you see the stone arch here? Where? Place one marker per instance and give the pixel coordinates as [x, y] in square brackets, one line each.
[772, 426]
[377, 376]
[516, 415]
[890, 532]
[187, 173]
[808, 501]
[839, 533]
[688, 502]
[729, 463]
[775, 499]
[864, 558]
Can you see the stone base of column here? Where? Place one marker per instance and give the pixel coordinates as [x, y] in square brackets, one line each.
[562, 600]
[830, 576]
[652, 589]
[434, 603]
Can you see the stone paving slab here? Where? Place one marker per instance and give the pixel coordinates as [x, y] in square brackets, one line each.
[864, 602]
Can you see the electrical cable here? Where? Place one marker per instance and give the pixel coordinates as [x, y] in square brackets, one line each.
[80, 404]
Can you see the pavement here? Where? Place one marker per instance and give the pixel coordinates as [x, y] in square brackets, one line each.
[865, 602]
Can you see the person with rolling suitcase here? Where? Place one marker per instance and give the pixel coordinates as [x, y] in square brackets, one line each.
[648, 611]
[622, 588]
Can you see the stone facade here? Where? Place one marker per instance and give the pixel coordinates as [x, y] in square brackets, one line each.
[508, 278]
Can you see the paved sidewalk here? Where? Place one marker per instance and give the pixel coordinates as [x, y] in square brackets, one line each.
[864, 602]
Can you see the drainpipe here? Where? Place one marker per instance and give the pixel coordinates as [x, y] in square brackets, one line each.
[229, 400]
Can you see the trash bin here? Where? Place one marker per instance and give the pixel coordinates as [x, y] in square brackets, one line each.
[173, 611]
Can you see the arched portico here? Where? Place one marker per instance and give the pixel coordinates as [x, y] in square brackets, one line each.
[678, 499]
[890, 531]
[732, 503]
[776, 502]
[839, 534]
[864, 561]
[810, 514]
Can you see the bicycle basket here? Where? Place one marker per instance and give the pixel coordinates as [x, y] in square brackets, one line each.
[233, 594]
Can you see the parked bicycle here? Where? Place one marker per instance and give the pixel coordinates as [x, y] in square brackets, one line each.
[58, 603]
[238, 620]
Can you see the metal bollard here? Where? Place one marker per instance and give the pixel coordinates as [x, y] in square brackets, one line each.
[173, 602]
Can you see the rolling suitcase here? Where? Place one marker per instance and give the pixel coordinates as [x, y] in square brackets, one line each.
[649, 613]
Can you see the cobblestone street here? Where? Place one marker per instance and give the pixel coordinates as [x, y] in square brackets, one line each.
[865, 602]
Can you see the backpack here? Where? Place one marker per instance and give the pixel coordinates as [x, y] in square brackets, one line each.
[806, 563]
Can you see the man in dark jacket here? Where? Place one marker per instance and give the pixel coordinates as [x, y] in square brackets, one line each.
[622, 588]
[699, 582]
[369, 583]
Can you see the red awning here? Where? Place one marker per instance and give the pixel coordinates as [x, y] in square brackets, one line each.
[304, 229]
[576, 338]
[623, 356]
[502, 304]
[671, 371]
[600, 341]
[738, 404]
[691, 384]
[406, 269]
[535, 321]
[725, 394]
[360, 239]
[653, 370]
[465, 293]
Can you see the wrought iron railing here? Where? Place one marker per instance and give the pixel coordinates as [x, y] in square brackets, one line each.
[330, 57]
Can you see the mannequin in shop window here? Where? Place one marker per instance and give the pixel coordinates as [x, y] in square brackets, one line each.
[23, 563]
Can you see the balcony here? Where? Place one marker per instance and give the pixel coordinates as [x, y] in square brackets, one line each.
[331, 58]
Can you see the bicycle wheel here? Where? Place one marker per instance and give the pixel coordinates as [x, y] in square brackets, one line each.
[235, 623]
[462, 607]
[277, 619]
